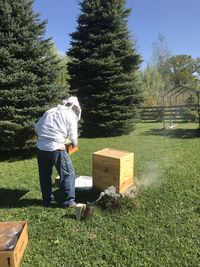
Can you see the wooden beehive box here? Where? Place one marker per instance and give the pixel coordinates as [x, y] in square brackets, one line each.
[113, 167]
[13, 258]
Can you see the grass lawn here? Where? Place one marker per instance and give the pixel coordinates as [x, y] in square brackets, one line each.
[160, 228]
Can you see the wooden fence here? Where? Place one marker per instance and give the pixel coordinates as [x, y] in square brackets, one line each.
[186, 113]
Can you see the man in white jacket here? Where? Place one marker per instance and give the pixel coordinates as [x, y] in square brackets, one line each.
[52, 129]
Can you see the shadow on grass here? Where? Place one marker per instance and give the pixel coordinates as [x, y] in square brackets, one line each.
[14, 198]
[88, 195]
[69, 216]
[16, 155]
[175, 133]
[81, 195]
[197, 210]
[11, 198]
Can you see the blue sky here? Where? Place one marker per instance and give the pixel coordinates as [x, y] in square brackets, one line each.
[177, 20]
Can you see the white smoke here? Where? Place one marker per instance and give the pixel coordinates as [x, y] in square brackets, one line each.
[151, 176]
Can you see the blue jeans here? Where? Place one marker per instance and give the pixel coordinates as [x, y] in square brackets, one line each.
[61, 160]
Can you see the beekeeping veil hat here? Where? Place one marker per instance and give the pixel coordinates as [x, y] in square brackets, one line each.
[72, 102]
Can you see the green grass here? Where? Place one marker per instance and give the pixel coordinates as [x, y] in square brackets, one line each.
[160, 228]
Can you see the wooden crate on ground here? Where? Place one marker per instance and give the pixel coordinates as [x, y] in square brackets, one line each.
[113, 167]
[12, 258]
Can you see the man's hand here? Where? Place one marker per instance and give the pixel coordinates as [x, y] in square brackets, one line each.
[74, 145]
[72, 148]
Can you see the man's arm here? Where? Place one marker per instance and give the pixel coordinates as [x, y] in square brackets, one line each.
[73, 131]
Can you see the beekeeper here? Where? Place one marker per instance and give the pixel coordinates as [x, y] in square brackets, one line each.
[52, 129]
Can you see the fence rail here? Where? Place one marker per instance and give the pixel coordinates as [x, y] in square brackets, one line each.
[179, 113]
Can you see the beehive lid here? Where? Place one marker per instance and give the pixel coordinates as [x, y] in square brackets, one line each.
[114, 153]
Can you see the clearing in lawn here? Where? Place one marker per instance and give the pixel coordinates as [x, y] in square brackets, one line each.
[160, 227]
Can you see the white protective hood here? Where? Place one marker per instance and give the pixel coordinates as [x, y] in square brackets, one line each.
[72, 103]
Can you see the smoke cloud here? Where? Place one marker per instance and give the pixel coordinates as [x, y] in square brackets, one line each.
[151, 176]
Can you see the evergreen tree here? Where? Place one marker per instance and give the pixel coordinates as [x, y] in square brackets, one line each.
[153, 86]
[62, 77]
[104, 68]
[27, 72]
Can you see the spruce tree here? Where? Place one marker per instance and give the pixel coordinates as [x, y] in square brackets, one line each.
[28, 72]
[104, 68]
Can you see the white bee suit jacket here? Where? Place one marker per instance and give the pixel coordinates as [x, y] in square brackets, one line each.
[57, 124]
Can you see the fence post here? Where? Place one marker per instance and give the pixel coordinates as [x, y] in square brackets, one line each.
[198, 109]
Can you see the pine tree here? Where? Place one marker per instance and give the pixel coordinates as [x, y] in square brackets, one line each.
[62, 77]
[153, 86]
[104, 68]
[27, 72]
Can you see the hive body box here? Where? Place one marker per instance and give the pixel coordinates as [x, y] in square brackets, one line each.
[113, 167]
[13, 258]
